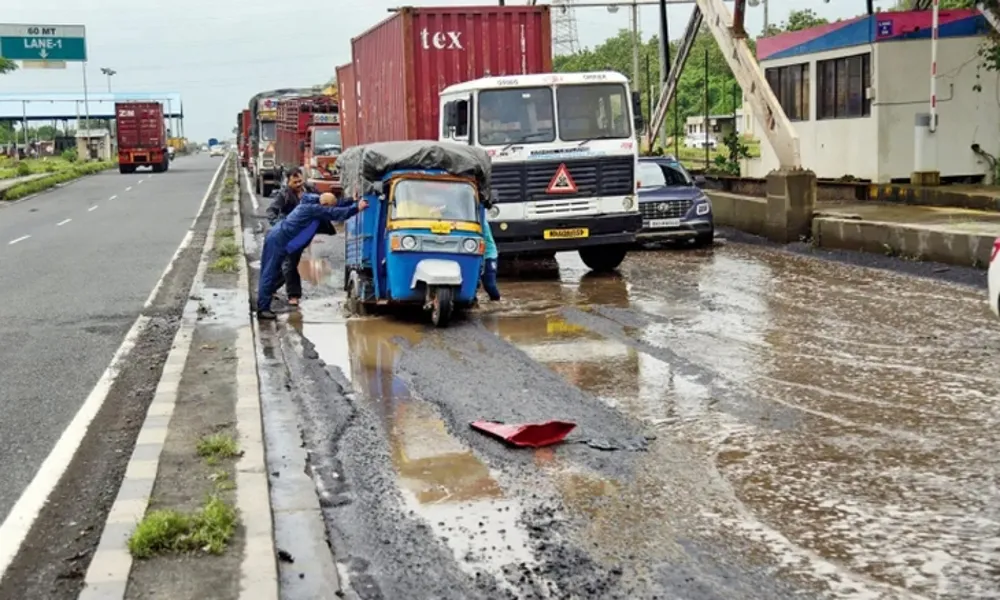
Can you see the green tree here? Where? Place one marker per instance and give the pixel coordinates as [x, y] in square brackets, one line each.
[797, 21]
[6, 66]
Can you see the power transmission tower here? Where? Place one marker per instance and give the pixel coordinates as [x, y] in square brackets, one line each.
[565, 39]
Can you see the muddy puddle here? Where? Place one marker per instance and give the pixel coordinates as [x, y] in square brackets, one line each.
[838, 425]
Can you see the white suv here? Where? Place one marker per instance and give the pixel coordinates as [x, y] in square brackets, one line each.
[994, 277]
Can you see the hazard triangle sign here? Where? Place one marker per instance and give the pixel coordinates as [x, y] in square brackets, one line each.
[561, 182]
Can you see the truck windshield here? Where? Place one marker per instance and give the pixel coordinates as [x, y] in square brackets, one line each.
[326, 142]
[516, 115]
[267, 129]
[593, 112]
[430, 199]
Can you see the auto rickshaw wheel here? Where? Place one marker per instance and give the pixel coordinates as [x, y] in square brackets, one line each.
[442, 306]
[354, 304]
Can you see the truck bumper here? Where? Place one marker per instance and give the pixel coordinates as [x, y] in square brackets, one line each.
[514, 237]
[141, 158]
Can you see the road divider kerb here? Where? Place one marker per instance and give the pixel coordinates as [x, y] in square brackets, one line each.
[107, 576]
[259, 570]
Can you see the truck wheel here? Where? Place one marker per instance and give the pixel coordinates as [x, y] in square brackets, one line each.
[603, 259]
[126, 169]
[258, 185]
[166, 165]
[442, 306]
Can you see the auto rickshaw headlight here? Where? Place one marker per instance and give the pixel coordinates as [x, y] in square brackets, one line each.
[408, 242]
[494, 212]
[470, 245]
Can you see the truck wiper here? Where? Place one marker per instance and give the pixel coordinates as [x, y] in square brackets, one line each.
[599, 137]
[525, 138]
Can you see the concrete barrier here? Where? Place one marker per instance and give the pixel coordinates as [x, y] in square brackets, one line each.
[921, 242]
[745, 213]
[783, 216]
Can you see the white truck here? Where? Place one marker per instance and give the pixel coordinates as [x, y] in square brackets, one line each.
[564, 160]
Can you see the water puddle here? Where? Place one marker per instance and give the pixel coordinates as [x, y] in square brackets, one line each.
[442, 480]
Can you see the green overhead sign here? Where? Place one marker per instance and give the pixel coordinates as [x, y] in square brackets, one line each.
[65, 43]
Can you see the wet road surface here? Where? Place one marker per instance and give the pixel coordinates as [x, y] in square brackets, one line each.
[72, 284]
[751, 424]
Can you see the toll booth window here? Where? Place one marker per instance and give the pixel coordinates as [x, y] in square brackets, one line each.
[428, 199]
[516, 116]
[589, 112]
[267, 130]
[327, 142]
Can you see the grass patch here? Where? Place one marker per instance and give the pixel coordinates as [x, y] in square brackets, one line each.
[225, 233]
[207, 530]
[43, 183]
[224, 264]
[218, 446]
[9, 168]
[229, 198]
[227, 248]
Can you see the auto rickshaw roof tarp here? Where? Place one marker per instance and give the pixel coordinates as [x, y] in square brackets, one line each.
[363, 165]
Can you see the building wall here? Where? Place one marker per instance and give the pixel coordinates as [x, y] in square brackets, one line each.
[880, 147]
[831, 147]
[965, 116]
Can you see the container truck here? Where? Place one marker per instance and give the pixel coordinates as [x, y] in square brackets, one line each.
[348, 102]
[142, 136]
[244, 137]
[564, 150]
[263, 135]
[309, 138]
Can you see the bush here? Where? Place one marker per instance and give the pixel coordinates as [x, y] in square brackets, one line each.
[70, 155]
[43, 183]
[23, 169]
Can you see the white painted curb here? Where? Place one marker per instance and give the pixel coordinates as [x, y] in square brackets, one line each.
[107, 576]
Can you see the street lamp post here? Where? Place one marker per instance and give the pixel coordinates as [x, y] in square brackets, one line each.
[109, 73]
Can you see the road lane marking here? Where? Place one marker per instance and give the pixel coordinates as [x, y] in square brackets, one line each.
[63, 222]
[15, 528]
[128, 189]
[20, 239]
[140, 181]
[253, 195]
[112, 197]
[92, 208]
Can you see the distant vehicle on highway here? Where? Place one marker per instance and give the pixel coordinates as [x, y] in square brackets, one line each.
[994, 277]
[142, 136]
[217, 151]
[672, 206]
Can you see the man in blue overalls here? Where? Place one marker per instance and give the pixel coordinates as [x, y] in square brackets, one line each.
[292, 234]
[490, 257]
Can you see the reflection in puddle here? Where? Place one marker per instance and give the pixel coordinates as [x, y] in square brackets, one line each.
[442, 480]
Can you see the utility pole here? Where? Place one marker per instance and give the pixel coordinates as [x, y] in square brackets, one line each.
[664, 62]
[635, 45]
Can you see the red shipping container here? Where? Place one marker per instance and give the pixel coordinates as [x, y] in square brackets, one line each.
[347, 92]
[403, 62]
[140, 125]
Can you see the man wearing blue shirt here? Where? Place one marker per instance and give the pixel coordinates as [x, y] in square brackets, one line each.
[292, 234]
[490, 262]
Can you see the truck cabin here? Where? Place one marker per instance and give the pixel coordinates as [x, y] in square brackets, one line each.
[326, 141]
[547, 108]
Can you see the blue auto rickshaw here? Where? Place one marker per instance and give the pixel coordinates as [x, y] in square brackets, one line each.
[420, 241]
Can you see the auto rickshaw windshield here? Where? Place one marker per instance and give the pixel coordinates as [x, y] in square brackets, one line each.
[434, 199]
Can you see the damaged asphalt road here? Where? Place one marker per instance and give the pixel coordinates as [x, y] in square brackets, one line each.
[751, 423]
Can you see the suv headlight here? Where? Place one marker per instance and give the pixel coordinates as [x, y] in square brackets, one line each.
[703, 208]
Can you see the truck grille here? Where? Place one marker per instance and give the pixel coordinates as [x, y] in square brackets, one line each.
[666, 209]
[613, 176]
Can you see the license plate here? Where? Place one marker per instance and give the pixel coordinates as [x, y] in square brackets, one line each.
[566, 234]
[658, 223]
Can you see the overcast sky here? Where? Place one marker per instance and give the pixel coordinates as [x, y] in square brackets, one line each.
[218, 53]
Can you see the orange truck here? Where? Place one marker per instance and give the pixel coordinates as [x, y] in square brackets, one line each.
[309, 137]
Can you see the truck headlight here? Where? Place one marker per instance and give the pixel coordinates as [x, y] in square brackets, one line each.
[628, 203]
[494, 212]
[470, 245]
[408, 242]
[704, 208]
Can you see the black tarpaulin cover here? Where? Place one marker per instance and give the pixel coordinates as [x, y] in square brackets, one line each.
[363, 165]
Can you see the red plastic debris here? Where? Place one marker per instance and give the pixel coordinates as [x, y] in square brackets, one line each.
[531, 435]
